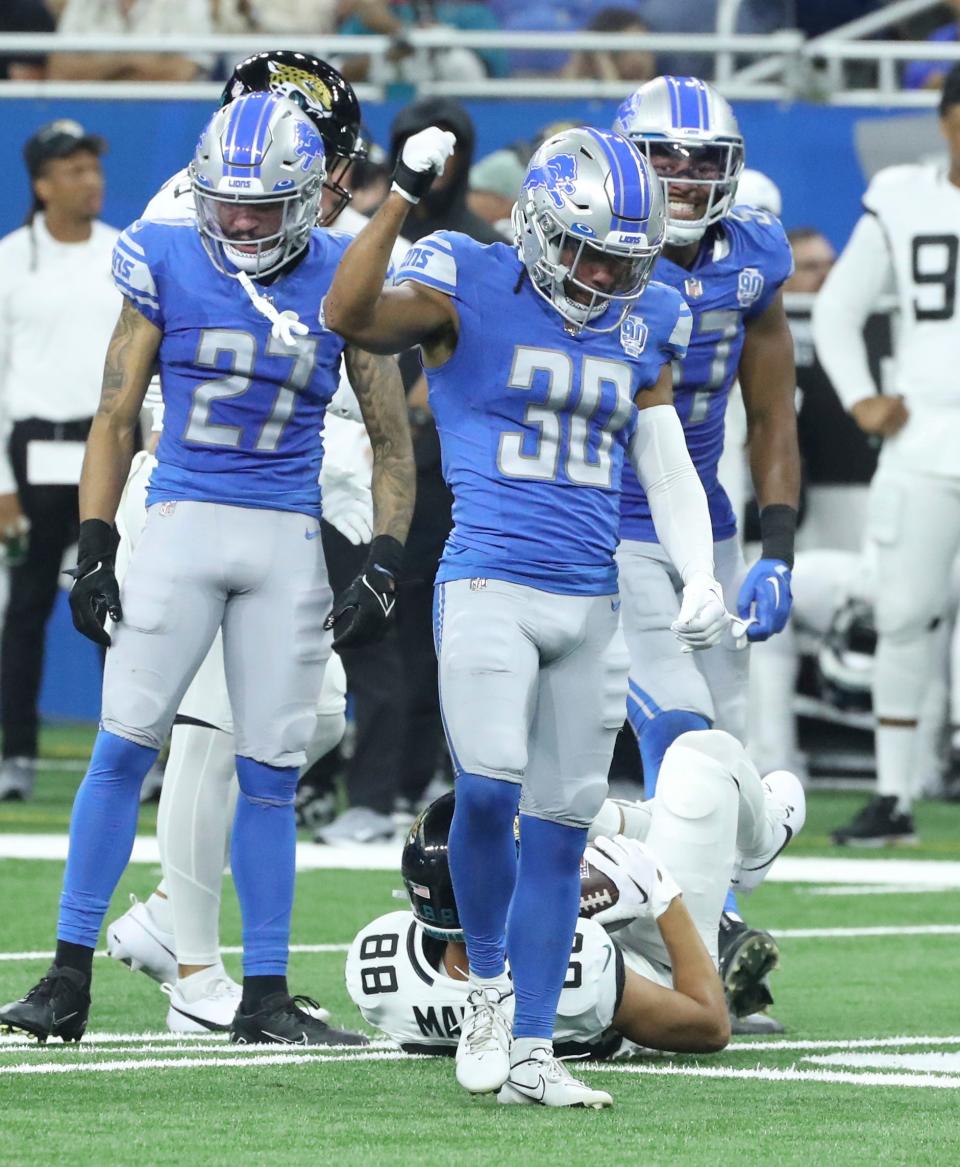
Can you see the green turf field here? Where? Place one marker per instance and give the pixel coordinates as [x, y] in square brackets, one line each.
[867, 1074]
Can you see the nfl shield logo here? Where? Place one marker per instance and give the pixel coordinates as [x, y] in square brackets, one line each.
[749, 287]
[693, 287]
[633, 336]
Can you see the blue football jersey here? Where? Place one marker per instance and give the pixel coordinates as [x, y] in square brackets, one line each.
[534, 421]
[243, 412]
[738, 272]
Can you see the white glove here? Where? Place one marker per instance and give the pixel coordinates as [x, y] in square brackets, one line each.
[646, 889]
[347, 503]
[703, 619]
[423, 157]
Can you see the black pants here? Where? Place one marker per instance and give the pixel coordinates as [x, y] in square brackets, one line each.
[423, 728]
[54, 522]
[375, 681]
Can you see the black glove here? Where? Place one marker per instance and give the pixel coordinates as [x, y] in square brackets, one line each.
[365, 610]
[96, 593]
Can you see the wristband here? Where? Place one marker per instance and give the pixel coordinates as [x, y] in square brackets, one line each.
[778, 527]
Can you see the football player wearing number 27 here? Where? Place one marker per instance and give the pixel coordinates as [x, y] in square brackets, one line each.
[549, 364]
[227, 303]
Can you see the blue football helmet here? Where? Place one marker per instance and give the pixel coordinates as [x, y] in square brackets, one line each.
[589, 204]
[259, 151]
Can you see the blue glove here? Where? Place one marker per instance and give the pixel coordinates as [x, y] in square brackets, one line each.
[766, 591]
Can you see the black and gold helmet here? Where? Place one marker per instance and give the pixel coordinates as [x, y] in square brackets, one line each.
[323, 95]
[426, 872]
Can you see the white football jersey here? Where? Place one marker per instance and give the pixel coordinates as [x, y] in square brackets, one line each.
[908, 242]
[919, 211]
[397, 981]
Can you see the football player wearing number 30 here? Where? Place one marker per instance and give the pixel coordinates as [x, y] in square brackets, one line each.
[729, 264]
[548, 366]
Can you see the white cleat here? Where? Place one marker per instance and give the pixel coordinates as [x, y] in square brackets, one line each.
[483, 1052]
[206, 1006]
[543, 1080]
[135, 940]
[786, 806]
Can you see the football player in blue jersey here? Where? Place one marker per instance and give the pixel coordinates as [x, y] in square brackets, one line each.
[227, 303]
[548, 365]
[729, 263]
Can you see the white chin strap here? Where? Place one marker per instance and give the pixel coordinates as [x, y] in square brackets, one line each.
[250, 261]
[573, 310]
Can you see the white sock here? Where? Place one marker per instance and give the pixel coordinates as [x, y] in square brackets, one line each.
[197, 984]
[895, 753]
[159, 908]
[523, 1047]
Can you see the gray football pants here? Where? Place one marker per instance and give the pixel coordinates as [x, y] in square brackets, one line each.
[532, 690]
[257, 574]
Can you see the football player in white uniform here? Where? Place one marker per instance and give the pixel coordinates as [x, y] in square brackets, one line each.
[174, 936]
[651, 980]
[909, 236]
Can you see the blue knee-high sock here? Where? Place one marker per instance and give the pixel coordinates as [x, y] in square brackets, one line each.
[543, 919]
[483, 866]
[263, 854]
[656, 734]
[103, 826]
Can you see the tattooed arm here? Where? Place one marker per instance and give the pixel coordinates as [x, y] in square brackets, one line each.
[379, 389]
[126, 373]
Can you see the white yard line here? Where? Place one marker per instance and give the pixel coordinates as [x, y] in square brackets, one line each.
[817, 1077]
[917, 873]
[274, 1059]
[228, 950]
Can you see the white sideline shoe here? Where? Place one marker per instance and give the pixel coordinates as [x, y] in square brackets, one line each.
[135, 940]
[543, 1080]
[786, 806]
[483, 1051]
[207, 1005]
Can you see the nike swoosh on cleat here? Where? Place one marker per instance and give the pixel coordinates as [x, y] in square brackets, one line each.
[311, 534]
[301, 1040]
[55, 1020]
[529, 1091]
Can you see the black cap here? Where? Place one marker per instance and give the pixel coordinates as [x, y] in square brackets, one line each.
[59, 139]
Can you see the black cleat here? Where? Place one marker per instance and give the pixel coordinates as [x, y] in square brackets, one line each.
[57, 1006]
[747, 956]
[280, 1022]
[878, 824]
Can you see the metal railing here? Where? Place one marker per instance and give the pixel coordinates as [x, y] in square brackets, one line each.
[785, 65]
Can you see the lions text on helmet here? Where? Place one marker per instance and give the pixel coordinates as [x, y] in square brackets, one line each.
[589, 225]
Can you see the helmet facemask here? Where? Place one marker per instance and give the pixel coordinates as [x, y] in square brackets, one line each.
[297, 216]
[556, 264]
[699, 182]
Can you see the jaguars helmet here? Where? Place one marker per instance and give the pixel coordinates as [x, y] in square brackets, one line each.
[589, 196]
[262, 150]
[426, 872]
[691, 137]
[325, 97]
[846, 655]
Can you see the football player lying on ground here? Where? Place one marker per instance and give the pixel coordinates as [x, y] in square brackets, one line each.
[643, 967]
